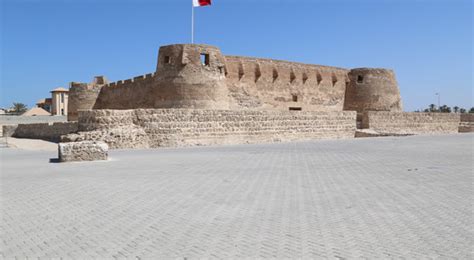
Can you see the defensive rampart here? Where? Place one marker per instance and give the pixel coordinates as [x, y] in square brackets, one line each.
[410, 123]
[44, 131]
[152, 128]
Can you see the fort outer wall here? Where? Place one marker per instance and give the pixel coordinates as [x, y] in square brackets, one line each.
[153, 128]
[199, 77]
[265, 84]
[183, 80]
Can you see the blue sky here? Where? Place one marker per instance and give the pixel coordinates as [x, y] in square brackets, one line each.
[48, 43]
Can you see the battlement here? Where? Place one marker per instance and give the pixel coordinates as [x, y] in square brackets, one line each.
[139, 79]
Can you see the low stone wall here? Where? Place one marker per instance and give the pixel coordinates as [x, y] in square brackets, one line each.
[151, 128]
[8, 130]
[44, 131]
[467, 123]
[15, 120]
[402, 123]
[11, 121]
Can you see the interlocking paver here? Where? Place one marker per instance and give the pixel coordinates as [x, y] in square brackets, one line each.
[375, 198]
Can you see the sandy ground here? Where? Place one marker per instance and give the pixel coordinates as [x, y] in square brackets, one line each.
[28, 144]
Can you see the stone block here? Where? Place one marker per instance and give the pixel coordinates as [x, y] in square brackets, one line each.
[83, 151]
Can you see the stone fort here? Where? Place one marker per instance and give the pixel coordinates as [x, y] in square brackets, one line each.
[198, 96]
[201, 77]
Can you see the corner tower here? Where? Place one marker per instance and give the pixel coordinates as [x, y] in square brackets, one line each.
[83, 96]
[191, 76]
[372, 90]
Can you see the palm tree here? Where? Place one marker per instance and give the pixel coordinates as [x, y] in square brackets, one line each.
[456, 109]
[471, 110]
[432, 108]
[462, 110]
[19, 107]
[445, 109]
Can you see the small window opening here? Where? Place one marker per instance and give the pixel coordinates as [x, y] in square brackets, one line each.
[305, 78]
[221, 69]
[292, 77]
[334, 80]
[295, 109]
[205, 59]
[295, 98]
[275, 75]
[62, 111]
[360, 79]
[319, 78]
[167, 60]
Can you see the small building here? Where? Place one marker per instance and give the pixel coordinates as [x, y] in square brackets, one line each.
[45, 104]
[59, 98]
[36, 111]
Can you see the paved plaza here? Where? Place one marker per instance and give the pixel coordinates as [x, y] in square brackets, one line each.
[377, 198]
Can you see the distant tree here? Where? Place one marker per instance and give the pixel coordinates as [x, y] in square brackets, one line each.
[19, 108]
[471, 110]
[445, 109]
[456, 109]
[432, 108]
[462, 110]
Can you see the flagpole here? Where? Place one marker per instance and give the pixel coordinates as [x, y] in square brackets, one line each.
[192, 23]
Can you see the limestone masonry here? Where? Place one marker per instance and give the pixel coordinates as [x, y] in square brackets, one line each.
[198, 96]
[152, 128]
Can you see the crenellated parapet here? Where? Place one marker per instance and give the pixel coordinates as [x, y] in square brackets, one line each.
[139, 79]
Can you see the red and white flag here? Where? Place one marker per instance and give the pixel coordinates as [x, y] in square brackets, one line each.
[197, 3]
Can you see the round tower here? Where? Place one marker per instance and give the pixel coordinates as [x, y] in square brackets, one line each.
[372, 90]
[191, 76]
[82, 96]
